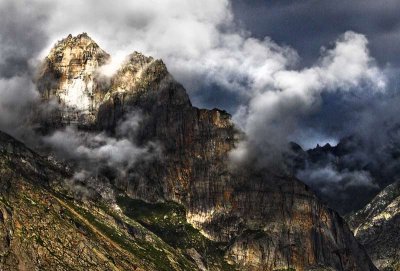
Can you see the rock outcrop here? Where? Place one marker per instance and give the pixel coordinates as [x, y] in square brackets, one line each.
[267, 221]
[377, 227]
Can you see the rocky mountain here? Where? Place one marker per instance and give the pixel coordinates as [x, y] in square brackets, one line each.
[67, 78]
[190, 210]
[377, 227]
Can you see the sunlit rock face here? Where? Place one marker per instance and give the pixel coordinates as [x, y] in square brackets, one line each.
[377, 227]
[68, 78]
[139, 83]
[266, 221]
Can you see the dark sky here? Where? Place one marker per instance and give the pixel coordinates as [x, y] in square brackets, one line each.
[309, 24]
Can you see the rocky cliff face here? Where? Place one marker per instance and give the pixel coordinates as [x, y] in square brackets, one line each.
[377, 227]
[42, 228]
[266, 221]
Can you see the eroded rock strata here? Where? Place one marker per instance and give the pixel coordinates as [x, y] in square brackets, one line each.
[268, 221]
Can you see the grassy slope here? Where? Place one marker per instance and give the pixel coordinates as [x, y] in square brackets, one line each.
[168, 221]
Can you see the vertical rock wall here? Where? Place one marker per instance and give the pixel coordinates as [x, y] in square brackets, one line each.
[270, 222]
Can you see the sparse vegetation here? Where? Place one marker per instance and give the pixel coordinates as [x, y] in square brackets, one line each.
[150, 253]
[168, 221]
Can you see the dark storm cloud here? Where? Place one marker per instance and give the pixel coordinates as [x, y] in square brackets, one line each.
[307, 25]
[21, 39]
[277, 107]
[21, 36]
[371, 117]
[367, 158]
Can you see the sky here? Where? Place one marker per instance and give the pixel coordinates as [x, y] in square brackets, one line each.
[311, 25]
[307, 71]
[307, 25]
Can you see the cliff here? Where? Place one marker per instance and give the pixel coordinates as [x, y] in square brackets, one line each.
[265, 221]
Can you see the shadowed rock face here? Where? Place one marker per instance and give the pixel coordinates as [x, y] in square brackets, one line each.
[377, 227]
[270, 222]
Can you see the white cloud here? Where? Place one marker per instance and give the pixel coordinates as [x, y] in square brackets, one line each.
[275, 109]
[98, 149]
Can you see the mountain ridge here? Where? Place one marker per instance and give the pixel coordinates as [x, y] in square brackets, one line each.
[269, 221]
[376, 226]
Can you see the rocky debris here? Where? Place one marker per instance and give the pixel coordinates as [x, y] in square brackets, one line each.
[271, 222]
[377, 227]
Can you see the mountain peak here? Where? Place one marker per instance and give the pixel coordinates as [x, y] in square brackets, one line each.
[72, 78]
[75, 40]
[80, 47]
[248, 210]
[68, 77]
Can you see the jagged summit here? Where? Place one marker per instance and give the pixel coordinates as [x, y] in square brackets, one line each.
[138, 72]
[79, 39]
[77, 50]
[70, 77]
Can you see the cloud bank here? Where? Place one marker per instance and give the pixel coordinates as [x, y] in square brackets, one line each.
[21, 40]
[99, 159]
[277, 106]
[96, 150]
